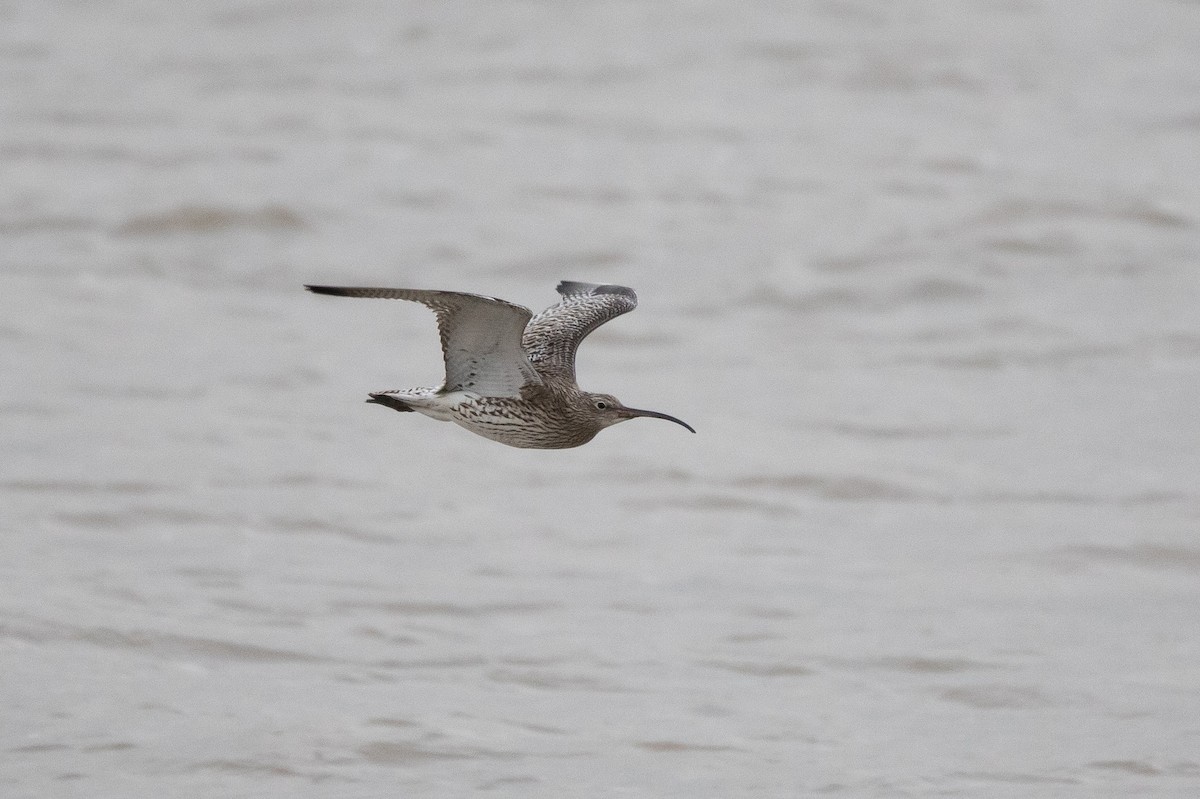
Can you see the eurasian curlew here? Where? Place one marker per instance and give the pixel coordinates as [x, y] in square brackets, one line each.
[510, 375]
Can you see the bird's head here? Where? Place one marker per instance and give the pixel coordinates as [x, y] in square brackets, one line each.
[607, 410]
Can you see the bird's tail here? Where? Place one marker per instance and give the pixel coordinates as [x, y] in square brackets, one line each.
[390, 401]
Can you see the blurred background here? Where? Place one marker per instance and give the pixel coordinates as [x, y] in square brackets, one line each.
[924, 276]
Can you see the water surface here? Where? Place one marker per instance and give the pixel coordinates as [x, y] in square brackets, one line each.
[924, 278]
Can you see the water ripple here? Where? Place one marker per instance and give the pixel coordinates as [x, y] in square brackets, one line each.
[211, 219]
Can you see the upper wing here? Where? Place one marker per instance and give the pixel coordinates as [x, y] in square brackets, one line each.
[552, 336]
[481, 337]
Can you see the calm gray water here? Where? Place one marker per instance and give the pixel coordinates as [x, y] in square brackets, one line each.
[924, 276]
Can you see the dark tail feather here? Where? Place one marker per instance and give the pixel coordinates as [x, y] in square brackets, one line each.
[390, 401]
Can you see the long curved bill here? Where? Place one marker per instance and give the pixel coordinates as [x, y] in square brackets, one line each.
[656, 415]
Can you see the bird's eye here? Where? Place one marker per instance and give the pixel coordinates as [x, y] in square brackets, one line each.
[601, 405]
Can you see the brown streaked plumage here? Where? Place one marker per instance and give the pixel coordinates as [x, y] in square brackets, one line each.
[510, 375]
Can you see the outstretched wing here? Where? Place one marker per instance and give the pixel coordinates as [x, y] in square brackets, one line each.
[552, 336]
[481, 337]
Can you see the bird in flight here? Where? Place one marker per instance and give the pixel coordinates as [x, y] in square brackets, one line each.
[510, 375]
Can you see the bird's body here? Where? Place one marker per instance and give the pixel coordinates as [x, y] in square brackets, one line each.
[510, 375]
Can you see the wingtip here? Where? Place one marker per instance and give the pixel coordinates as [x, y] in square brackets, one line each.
[569, 287]
[336, 290]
